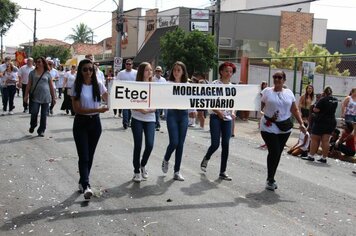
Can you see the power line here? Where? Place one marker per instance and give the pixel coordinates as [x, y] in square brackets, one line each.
[25, 24]
[52, 26]
[74, 8]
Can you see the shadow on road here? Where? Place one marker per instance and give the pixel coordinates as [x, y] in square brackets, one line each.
[16, 140]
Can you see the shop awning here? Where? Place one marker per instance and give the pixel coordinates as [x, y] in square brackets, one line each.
[151, 49]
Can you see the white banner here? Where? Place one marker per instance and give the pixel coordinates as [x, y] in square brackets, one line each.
[142, 95]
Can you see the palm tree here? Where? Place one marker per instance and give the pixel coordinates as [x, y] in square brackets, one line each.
[81, 34]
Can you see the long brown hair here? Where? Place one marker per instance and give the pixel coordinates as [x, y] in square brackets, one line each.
[184, 78]
[141, 71]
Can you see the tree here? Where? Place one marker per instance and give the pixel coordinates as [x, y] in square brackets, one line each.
[284, 59]
[81, 34]
[195, 49]
[8, 14]
[60, 52]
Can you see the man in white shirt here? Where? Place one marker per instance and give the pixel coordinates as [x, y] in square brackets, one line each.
[128, 74]
[158, 78]
[99, 74]
[23, 73]
[55, 76]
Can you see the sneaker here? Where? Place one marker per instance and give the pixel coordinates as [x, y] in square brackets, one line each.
[80, 188]
[178, 176]
[157, 129]
[308, 158]
[144, 172]
[204, 164]
[322, 160]
[137, 178]
[304, 154]
[164, 166]
[3, 113]
[271, 185]
[224, 176]
[31, 130]
[88, 193]
[125, 126]
[25, 110]
[41, 134]
[51, 112]
[11, 112]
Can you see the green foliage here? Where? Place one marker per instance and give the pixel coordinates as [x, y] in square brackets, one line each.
[195, 49]
[284, 59]
[8, 14]
[60, 52]
[81, 34]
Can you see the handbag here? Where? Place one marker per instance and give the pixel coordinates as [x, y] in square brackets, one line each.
[283, 125]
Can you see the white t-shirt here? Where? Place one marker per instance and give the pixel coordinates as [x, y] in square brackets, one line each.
[10, 77]
[127, 75]
[24, 71]
[301, 141]
[227, 113]
[70, 79]
[159, 80]
[149, 117]
[276, 102]
[55, 75]
[100, 76]
[86, 97]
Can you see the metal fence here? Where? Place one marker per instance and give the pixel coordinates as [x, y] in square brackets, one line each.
[339, 72]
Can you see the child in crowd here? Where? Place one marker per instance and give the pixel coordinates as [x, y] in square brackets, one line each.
[335, 135]
[302, 146]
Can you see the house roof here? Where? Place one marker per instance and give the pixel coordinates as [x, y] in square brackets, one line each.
[84, 48]
[47, 41]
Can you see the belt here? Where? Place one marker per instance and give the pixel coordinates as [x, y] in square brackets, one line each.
[87, 116]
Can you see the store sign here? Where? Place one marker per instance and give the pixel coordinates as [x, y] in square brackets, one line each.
[199, 25]
[197, 14]
[168, 18]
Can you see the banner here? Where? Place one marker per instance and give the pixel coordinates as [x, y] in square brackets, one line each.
[307, 75]
[144, 95]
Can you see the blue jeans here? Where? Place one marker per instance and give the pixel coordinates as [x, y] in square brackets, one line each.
[86, 133]
[350, 118]
[158, 114]
[177, 125]
[219, 128]
[126, 117]
[275, 144]
[8, 97]
[35, 108]
[148, 128]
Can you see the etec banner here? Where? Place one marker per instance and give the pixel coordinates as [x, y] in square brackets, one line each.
[144, 95]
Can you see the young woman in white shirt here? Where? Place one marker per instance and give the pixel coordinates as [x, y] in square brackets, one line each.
[86, 97]
[9, 88]
[143, 121]
[278, 104]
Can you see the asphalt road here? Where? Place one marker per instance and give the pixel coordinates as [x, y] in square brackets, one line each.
[39, 187]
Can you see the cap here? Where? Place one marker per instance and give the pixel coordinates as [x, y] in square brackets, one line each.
[158, 68]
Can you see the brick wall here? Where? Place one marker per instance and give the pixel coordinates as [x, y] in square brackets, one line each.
[296, 28]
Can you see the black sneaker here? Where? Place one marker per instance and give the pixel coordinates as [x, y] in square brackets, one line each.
[204, 164]
[224, 176]
[125, 126]
[31, 130]
[271, 185]
[304, 154]
[322, 160]
[308, 158]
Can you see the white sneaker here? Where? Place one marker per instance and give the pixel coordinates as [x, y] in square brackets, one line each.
[3, 113]
[11, 112]
[178, 176]
[144, 172]
[88, 193]
[271, 186]
[137, 178]
[165, 166]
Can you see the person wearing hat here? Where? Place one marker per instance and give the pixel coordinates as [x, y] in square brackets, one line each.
[158, 78]
[23, 73]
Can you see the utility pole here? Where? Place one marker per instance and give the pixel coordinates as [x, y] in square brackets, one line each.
[34, 23]
[217, 27]
[119, 27]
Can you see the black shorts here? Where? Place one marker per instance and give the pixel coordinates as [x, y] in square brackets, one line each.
[305, 112]
[320, 128]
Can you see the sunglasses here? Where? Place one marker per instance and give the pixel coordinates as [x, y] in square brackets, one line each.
[86, 69]
[277, 77]
[128, 64]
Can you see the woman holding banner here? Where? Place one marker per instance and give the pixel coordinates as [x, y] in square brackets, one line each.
[177, 124]
[221, 125]
[278, 104]
[143, 121]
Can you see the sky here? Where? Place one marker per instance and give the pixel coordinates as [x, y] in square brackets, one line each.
[54, 21]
